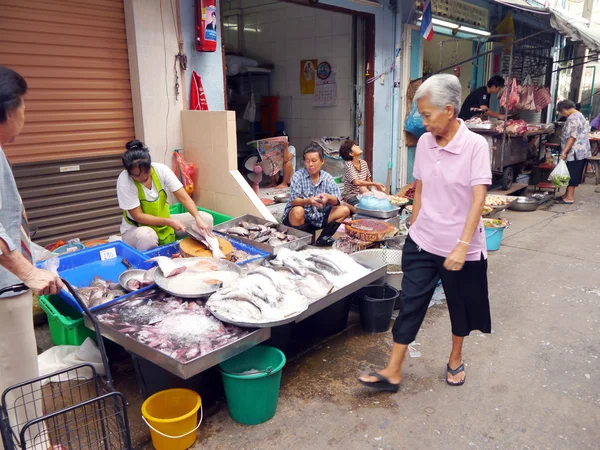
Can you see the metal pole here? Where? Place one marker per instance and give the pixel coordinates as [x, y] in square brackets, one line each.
[482, 54]
[510, 63]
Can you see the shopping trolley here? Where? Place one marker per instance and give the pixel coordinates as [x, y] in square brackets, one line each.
[72, 409]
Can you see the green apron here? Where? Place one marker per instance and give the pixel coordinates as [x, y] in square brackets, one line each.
[157, 208]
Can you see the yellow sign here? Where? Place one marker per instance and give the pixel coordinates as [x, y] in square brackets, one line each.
[308, 73]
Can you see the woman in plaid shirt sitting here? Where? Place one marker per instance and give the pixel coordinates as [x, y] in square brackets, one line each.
[315, 199]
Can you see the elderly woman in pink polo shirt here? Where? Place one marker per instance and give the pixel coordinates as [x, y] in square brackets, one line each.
[446, 240]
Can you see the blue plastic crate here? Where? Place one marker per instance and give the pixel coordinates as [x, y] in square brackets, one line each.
[164, 250]
[239, 245]
[170, 249]
[80, 268]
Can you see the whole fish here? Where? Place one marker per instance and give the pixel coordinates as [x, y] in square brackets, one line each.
[327, 263]
[274, 242]
[250, 226]
[262, 283]
[238, 231]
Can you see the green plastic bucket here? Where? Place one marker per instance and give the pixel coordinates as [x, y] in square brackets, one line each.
[251, 380]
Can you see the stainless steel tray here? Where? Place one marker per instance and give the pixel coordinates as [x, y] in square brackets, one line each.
[302, 239]
[379, 214]
[164, 283]
[378, 271]
[182, 370]
[254, 324]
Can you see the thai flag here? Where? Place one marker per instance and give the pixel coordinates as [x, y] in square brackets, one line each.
[426, 21]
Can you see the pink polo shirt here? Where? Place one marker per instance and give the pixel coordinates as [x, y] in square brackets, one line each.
[447, 174]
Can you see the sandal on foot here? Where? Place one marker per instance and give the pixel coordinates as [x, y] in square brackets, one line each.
[455, 372]
[382, 385]
[561, 201]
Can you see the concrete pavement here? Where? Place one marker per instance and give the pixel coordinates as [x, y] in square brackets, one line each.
[532, 384]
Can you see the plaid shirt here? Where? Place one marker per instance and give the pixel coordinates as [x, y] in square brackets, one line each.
[302, 187]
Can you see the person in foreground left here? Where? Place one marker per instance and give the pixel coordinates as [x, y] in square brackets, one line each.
[446, 240]
[18, 349]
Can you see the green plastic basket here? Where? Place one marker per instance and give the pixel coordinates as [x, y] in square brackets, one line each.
[219, 218]
[252, 396]
[66, 324]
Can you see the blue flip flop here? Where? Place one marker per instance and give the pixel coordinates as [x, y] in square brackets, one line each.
[382, 385]
[455, 372]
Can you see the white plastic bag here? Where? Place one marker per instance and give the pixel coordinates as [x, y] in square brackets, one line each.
[250, 112]
[560, 176]
[65, 356]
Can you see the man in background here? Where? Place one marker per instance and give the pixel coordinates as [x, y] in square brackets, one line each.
[478, 101]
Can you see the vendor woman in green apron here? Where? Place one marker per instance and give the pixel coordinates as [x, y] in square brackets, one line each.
[145, 191]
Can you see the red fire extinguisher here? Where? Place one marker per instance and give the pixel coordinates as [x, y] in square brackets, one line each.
[206, 25]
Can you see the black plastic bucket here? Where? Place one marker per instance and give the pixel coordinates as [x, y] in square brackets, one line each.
[376, 306]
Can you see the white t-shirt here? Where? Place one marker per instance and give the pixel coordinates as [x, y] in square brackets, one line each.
[127, 192]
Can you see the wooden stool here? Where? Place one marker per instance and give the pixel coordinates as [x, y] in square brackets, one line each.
[546, 185]
[595, 162]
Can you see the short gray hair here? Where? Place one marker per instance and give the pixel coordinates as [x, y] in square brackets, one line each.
[441, 90]
[566, 105]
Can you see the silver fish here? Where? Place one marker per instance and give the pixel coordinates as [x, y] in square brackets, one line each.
[250, 226]
[323, 261]
[267, 287]
[274, 242]
[296, 264]
[238, 231]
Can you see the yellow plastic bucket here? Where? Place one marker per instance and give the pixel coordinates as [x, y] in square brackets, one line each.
[171, 416]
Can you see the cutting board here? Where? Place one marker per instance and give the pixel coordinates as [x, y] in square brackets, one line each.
[190, 247]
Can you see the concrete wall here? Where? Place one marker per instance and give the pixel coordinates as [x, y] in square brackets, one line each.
[209, 65]
[209, 139]
[152, 44]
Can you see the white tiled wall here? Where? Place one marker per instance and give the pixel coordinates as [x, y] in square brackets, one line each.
[284, 34]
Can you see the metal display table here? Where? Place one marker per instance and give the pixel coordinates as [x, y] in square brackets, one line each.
[189, 369]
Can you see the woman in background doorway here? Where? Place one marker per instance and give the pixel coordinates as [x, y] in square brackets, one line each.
[289, 166]
[357, 176]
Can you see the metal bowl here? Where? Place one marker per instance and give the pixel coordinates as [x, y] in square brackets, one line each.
[137, 274]
[281, 198]
[376, 257]
[525, 204]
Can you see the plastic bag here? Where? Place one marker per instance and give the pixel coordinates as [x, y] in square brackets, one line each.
[560, 176]
[40, 253]
[184, 171]
[250, 112]
[197, 96]
[414, 122]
